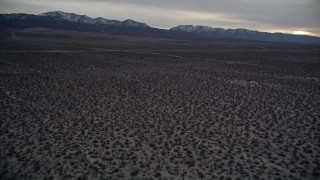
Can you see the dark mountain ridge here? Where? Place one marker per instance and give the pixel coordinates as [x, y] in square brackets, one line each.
[71, 21]
[205, 31]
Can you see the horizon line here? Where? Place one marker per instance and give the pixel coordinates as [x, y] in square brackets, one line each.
[168, 28]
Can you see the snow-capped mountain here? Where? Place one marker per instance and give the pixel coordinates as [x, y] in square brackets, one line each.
[70, 17]
[101, 20]
[133, 23]
[197, 29]
[88, 20]
[74, 22]
[209, 31]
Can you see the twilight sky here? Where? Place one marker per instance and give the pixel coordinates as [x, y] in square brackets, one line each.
[288, 16]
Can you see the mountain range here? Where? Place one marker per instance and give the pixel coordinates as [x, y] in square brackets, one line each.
[88, 20]
[75, 22]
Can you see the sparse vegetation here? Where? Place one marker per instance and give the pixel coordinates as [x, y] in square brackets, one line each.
[194, 112]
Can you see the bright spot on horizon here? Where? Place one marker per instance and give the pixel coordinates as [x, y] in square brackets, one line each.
[300, 33]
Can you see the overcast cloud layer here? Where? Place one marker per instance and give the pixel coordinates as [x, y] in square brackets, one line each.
[263, 15]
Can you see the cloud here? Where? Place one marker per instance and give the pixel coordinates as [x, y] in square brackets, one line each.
[288, 15]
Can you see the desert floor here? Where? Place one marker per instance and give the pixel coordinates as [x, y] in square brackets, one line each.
[90, 106]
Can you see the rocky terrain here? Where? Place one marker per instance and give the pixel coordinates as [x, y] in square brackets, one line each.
[128, 108]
